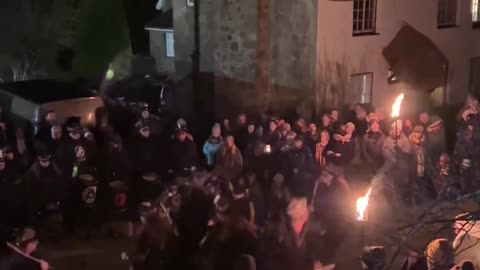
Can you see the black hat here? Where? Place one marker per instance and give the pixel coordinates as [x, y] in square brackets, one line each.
[25, 236]
[181, 128]
[73, 124]
[44, 155]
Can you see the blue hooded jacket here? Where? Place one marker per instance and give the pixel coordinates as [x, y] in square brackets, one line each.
[211, 147]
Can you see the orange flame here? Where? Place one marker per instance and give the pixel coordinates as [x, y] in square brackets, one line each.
[397, 105]
[362, 204]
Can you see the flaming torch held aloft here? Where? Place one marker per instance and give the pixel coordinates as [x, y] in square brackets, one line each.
[397, 105]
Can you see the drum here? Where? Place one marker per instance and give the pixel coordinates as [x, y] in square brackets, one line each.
[88, 190]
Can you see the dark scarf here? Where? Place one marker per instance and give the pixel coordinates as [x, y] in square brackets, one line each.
[214, 140]
[374, 135]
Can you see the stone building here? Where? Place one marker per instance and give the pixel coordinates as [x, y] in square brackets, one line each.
[305, 54]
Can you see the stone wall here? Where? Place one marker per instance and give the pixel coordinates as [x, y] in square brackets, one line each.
[293, 41]
[184, 38]
[207, 34]
[158, 50]
[235, 39]
[233, 96]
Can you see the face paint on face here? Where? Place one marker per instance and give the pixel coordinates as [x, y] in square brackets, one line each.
[79, 152]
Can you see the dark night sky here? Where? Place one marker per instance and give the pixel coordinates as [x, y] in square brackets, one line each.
[139, 13]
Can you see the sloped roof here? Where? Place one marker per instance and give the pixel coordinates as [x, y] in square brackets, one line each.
[416, 60]
[162, 22]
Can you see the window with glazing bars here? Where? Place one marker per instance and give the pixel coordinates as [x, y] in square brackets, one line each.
[447, 13]
[364, 16]
[475, 9]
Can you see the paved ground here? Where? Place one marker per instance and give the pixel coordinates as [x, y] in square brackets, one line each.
[105, 254]
[74, 254]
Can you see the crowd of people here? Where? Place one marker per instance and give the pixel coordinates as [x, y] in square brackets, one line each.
[258, 192]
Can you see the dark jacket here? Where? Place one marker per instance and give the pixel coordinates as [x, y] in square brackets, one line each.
[144, 154]
[69, 153]
[241, 137]
[115, 165]
[271, 138]
[44, 186]
[229, 163]
[373, 147]
[311, 141]
[15, 261]
[182, 155]
[345, 149]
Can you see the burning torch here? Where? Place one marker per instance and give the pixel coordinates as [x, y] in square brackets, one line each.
[361, 214]
[397, 105]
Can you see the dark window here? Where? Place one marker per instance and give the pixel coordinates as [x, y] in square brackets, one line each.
[447, 13]
[364, 16]
[475, 75]
[362, 85]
